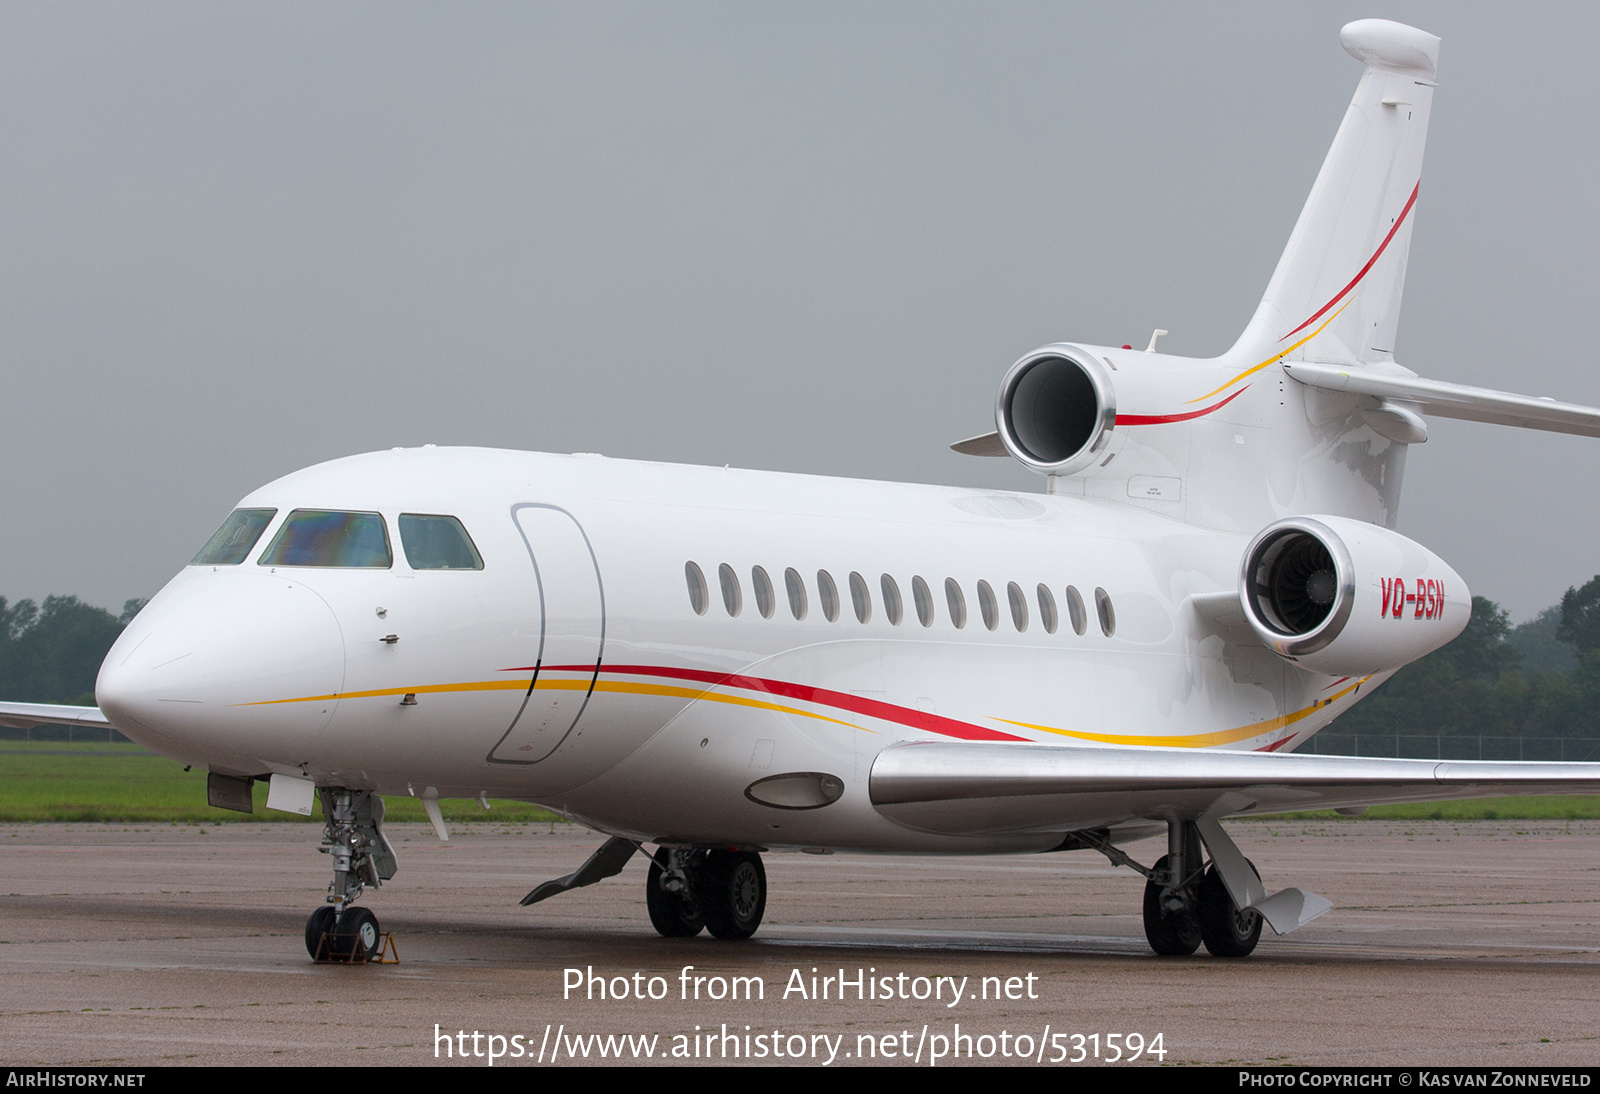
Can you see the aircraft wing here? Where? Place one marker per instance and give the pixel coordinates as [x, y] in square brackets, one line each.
[1473, 404]
[984, 788]
[28, 715]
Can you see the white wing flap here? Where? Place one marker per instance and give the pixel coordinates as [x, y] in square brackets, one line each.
[1473, 404]
[981, 788]
[28, 715]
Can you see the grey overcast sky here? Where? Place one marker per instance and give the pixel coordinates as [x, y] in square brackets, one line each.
[237, 239]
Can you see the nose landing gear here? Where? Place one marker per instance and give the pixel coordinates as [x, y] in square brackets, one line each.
[353, 836]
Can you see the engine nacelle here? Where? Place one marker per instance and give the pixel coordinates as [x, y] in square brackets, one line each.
[1347, 598]
[1056, 409]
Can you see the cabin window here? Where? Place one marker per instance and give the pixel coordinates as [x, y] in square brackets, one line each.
[795, 586]
[860, 597]
[1019, 606]
[987, 606]
[891, 600]
[1075, 611]
[1108, 615]
[957, 602]
[828, 593]
[762, 584]
[697, 587]
[437, 543]
[923, 599]
[1047, 610]
[732, 595]
[235, 539]
[325, 537]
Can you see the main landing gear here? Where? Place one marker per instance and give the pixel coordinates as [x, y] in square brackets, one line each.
[1186, 901]
[352, 834]
[724, 892]
[688, 890]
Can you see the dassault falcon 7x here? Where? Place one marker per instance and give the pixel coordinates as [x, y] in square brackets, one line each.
[717, 662]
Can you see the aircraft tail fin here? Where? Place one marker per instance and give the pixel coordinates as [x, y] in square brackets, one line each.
[1335, 296]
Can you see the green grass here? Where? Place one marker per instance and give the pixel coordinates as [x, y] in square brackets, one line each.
[56, 781]
[1547, 807]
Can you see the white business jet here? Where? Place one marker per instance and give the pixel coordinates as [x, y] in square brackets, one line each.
[719, 662]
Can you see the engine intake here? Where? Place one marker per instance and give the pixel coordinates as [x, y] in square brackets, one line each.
[1056, 409]
[1347, 598]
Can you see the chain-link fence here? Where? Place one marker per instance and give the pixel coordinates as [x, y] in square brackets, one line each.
[70, 734]
[1453, 747]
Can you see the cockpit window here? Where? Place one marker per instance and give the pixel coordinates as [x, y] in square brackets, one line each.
[323, 537]
[233, 541]
[437, 543]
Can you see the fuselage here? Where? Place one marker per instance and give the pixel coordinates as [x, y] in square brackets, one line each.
[645, 643]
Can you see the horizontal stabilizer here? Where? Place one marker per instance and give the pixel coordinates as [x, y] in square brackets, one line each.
[1472, 404]
[28, 715]
[989, 444]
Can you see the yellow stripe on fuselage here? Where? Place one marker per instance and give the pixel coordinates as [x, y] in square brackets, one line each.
[1197, 740]
[670, 691]
[624, 687]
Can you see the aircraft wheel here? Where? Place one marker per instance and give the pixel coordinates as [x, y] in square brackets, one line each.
[356, 937]
[1173, 934]
[734, 894]
[670, 914]
[319, 925]
[1227, 931]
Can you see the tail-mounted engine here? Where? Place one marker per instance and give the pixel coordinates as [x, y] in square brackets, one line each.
[1347, 598]
[1056, 409]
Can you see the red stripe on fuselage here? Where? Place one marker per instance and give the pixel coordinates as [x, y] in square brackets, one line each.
[1163, 419]
[840, 700]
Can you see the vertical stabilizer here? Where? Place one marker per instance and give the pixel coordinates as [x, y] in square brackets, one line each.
[1335, 296]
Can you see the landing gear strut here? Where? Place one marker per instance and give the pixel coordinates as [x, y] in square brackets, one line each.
[352, 834]
[1187, 902]
[1171, 894]
[670, 893]
[723, 891]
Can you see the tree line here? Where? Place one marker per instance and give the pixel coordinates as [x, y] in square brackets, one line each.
[51, 652]
[1540, 679]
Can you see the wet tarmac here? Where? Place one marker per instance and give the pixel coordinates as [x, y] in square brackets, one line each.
[1471, 943]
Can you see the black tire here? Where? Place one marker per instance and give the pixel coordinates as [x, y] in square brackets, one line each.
[319, 925]
[1227, 931]
[356, 938]
[734, 893]
[670, 914]
[1170, 934]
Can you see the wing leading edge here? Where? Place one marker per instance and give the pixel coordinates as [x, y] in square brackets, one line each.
[979, 788]
[28, 715]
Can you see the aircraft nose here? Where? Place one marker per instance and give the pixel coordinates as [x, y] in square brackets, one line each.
[229, 669]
